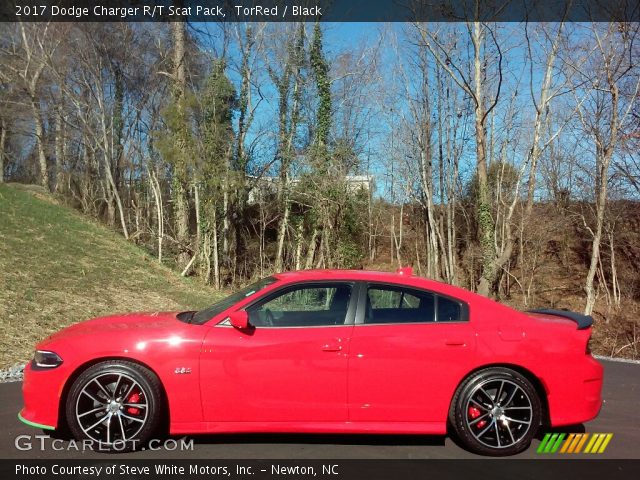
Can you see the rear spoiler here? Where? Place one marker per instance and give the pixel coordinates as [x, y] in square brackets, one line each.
[583, 321]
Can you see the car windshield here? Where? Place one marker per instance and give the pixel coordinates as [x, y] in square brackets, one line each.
[208, 313]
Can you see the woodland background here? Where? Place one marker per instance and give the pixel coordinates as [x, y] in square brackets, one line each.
[502, 158]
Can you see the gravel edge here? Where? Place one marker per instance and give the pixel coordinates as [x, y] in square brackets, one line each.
[14, 373]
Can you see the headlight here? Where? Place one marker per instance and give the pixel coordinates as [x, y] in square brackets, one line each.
[46, 359]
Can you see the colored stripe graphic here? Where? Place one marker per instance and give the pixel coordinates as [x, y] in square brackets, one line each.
[583, 439]
[593, 440]
[574, 443]
[556, 445]
[606, 442]
[551, 442]
[568, 442]
[543, 443]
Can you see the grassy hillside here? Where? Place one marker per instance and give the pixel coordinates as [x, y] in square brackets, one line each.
[57, 268]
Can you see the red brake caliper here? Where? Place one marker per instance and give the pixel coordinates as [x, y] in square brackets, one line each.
[133, 398]
[475, 413]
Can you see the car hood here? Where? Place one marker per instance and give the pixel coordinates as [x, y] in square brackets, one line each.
[142, 321]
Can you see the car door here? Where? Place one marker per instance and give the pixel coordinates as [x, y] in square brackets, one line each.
[409, 349]
[289, 366]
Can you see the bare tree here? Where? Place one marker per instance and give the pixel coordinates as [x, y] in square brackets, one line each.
[289, 83]
[484, 102]
[603, 117]
[26, 61]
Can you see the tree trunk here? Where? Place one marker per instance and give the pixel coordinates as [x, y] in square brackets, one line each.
[216, 256]
[485, 220]
[182, 221]
[603, 159]
[226, 222]
[313, 244]
[615, 285]
[39, 128]
[180, 191]
[299, 232]
[286, 137]
[282, 232]
[3, 143]
[486, 225]
[157, 194]
[597, 238]
[59, 141]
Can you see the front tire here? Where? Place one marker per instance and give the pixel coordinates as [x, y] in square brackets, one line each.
[115, 405]
[496, 412]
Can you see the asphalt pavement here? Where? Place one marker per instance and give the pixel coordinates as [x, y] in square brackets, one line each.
[620, 415]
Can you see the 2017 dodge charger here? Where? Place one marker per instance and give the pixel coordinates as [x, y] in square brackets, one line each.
[321, 351]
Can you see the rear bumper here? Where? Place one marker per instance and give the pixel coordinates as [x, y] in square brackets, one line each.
[577, 396]
[41, 392]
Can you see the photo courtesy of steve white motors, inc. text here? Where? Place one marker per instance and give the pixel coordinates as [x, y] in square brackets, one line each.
[172, 469]
[99, 12]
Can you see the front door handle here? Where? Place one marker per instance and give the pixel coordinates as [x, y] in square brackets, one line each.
[455, 342]
[333, 346]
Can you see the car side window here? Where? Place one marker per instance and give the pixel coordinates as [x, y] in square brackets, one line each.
[394, 304]
[399, 305]
[382, 298]
[303, 306]
[449, 310]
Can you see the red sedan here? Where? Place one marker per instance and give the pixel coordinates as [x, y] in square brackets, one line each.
[321, 351]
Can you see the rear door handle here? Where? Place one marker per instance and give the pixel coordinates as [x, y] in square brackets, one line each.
[455, 342]
[333, 346]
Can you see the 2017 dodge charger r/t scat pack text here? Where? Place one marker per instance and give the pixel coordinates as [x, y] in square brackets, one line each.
[321, 351]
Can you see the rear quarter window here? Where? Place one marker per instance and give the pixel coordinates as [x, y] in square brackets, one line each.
[399, 304]
[449, 310]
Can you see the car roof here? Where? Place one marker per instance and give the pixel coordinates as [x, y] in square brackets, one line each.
[328, 274]
[402, 276]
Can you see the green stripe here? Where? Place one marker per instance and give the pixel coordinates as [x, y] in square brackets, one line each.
[34, 424]
[547, 449]
[554, 449]
[543, 443]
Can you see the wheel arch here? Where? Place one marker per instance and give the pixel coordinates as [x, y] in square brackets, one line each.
[528, 374]
[62, 417]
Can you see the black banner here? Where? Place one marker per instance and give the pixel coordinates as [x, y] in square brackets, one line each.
[319, 10]
[496, 469]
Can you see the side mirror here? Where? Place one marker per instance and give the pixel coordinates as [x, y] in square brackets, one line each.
[239, 319]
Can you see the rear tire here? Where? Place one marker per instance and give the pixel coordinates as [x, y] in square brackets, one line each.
[115, 404]
[496, 412]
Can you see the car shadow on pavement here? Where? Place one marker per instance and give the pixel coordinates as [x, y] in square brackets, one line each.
[578, 428]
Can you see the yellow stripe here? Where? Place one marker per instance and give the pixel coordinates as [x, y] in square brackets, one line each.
[567, 442]
[583, 438]
[606, 442]
[596, 445]
[593, 440]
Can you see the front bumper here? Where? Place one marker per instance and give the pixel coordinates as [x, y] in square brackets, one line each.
[41, 394]
[34, 424]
